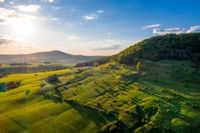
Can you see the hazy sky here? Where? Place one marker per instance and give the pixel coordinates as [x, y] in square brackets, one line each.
[90, 27]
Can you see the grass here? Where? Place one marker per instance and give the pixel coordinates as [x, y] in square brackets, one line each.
[160, 96]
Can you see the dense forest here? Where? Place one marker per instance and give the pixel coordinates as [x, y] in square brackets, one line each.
[170, 46]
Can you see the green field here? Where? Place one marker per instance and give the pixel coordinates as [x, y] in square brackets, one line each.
[159, 96]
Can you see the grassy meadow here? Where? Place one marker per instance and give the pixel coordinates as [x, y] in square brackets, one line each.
[152, 96]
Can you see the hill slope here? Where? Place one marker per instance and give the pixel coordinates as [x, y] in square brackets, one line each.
[171, 46]
[150, 96]
[50, 56]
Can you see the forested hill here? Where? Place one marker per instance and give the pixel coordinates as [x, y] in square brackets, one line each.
[170, 47]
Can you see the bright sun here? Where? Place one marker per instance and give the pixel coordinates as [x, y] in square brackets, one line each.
[22, 27]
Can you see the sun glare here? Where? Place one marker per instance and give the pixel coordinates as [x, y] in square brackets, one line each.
[22, 27]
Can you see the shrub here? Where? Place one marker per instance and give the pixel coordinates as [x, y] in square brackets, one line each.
[139, 66]
[65, 88]
[12, 85]
[53, 97]
[1, 75]
[96, 64]
[18, 83]
[42, 84]
[112, 127]
[27, 92]
[3, 87]
[52, 79]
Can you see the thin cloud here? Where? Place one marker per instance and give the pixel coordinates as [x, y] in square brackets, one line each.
[100, 11]
[48, 1]
[93, 16]
[28, 8]
[73, 10]
[4, 40]
[111, 47]
[8, 17]
[54, 19]
[5, 13]
[90, 17]
[151, 26]
[168, 31]
[72, 38]
[176, 30]
[11, 2]
[2, 21]
[51, 1]
[193, 29]
[56, 7]
[1, 1]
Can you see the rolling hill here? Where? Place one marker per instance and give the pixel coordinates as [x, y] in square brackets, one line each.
[133, 92]
[49, 56]
[167, 47]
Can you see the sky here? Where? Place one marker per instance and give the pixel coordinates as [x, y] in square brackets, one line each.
[91, 27]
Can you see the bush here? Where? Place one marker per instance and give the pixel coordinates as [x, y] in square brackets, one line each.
[112, 127]
[27, 92]
[1, 75]
[55, 98]
[52, 79]
[42, 84]
[139, 66]
[13, 85]
[3, 87]
[96, 64]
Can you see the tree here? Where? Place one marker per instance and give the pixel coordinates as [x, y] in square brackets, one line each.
[3, 87]
[1, 75]
[96, 64]
[12, 85]
[52, 79]
[139, 66]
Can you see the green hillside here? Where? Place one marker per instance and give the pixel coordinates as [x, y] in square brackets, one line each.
[171, 46]
[131, 93]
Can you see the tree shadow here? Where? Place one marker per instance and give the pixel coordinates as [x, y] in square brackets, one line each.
[99, 117]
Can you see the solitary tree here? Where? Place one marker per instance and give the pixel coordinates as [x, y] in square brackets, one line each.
[139, 66]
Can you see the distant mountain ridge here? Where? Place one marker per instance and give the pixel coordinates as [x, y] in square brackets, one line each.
[47, 56]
